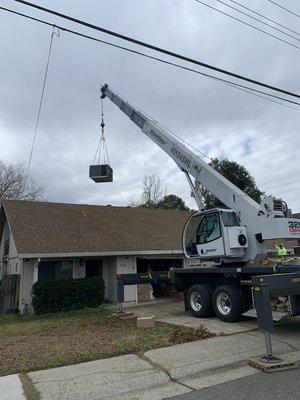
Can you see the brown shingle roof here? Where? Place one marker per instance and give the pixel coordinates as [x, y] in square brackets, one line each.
[42, 227]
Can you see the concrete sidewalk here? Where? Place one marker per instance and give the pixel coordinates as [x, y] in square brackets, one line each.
[162, 373]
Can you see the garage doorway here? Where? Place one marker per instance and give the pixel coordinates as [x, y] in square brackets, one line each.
[157, 264]
[156, 290]
[93, 267]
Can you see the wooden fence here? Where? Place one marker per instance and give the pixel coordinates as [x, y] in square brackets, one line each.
[9, 293]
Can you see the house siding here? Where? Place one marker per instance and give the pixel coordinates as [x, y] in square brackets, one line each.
[11, 260]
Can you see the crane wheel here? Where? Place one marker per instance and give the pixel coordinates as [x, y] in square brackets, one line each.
[227, 303]
[199, 299]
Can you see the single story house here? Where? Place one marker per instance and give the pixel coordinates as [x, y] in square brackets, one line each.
[40, 240]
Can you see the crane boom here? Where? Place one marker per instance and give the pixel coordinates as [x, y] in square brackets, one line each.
[213, 234]
[222, 188]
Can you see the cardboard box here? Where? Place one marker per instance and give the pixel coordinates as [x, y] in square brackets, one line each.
[145, 322]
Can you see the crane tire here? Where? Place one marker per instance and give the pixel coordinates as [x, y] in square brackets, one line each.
[199, 299]
[227, 303]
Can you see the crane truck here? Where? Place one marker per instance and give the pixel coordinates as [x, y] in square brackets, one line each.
[232, 239]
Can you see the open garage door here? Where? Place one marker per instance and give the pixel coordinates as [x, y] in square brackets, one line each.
[159, 290]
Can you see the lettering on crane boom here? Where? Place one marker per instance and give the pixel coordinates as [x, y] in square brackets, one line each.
[294, 226]
[157, 137]
[177, 153]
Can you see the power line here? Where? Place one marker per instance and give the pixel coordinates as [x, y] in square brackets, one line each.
[54, 33]
[235, 85]
[256, 19]
[264, 16]
[284, 8]
[158, 49]
[243, 22]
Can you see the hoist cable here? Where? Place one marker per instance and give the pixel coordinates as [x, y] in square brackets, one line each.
[102, 146]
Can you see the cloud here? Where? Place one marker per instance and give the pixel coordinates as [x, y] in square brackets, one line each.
[219, 120]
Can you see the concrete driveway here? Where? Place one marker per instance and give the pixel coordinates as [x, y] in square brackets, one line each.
[172, 311]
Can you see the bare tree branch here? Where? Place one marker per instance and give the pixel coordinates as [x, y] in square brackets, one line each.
[152, 191]
[13, 183]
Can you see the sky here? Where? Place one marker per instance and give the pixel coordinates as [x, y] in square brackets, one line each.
[217, 119]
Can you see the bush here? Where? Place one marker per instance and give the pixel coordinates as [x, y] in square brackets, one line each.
[50, 296]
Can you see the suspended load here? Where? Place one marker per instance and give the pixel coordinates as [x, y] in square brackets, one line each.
[101, 170]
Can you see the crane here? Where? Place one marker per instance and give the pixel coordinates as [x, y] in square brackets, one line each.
[236, 234]
[234, 238]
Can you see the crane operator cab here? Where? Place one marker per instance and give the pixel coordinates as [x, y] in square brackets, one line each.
[216, 233]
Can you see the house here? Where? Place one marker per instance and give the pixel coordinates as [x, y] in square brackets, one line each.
[41, 240]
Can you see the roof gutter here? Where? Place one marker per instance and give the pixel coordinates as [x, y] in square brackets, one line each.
[101, 254]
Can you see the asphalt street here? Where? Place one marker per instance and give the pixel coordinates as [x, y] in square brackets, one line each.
[276, 386]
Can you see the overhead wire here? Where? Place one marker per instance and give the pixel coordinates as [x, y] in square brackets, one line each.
[256, 19]
[235, 85]
[245, 23]
[158, 49]
[265, 17]
[284, 8]
[55, 32]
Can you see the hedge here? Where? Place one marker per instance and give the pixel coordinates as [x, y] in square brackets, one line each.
[50, 296]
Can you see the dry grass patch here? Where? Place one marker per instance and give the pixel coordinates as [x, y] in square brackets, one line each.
[39, 342]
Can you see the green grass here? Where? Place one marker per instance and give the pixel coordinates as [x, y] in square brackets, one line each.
[16, 319]
[29, 343]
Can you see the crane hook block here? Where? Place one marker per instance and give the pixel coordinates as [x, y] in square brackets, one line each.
[101, 173]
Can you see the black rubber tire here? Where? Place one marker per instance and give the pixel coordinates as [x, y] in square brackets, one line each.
[246, 300]
[205, 293]
[233, 293]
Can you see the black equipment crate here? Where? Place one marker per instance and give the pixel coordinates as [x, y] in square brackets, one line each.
[101, 173]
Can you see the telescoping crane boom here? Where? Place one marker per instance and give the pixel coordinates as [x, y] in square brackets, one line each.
[236, 234]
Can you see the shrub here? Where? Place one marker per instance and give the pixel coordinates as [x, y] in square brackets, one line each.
[50, 296]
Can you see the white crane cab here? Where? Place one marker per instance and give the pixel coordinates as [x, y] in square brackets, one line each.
[216, 233]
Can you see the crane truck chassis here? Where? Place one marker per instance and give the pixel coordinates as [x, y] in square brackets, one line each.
[228, 293]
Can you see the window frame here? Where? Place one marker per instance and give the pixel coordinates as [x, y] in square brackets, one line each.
[55, 263]
[198, 243]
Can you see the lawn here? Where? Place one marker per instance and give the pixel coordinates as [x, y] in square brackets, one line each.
[29, 343]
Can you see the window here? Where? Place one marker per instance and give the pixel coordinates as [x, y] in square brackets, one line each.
[93, 267]
[229, 218]
[55, 270]
[190, 234]
[209, 229]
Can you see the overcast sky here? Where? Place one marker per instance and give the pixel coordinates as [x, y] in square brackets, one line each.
[219, 120]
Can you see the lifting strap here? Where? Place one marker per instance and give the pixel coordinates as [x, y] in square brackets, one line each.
[101, 155]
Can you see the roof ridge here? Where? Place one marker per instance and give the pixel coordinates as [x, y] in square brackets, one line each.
[147, 209]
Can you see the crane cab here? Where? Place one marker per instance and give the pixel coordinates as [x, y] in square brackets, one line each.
[214, 234]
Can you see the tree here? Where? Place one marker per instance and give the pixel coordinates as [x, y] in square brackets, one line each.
[235, 173]
[172, 202]
[152, 191]
[14, 184]
[152, 196]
